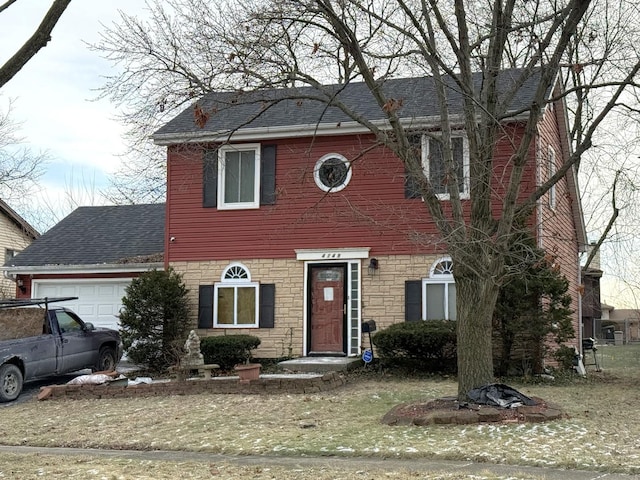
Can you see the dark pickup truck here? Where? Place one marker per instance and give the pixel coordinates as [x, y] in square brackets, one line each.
[46, 341]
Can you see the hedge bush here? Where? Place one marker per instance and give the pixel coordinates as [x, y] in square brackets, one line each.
[566, 358]
[228, 350]
[426, 345]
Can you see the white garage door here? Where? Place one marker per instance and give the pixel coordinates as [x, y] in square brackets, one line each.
[98, 302]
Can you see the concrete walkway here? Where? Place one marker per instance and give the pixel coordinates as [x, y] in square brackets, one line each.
[422, 465]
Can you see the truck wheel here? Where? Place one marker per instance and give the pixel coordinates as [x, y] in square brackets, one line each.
[106, 360]
[10, 382]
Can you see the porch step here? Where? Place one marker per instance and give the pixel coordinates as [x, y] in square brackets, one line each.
[320, 364]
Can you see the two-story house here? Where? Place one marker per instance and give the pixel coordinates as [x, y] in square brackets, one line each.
[290, 222]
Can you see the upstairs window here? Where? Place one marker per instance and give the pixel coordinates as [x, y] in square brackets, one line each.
[9, 253]
[235, 301]
[239, 178]
[434, 168]
[332, 172]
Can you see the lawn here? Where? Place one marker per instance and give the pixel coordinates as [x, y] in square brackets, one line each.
[602, 432]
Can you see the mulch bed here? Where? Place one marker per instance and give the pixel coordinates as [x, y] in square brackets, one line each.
[448, 410]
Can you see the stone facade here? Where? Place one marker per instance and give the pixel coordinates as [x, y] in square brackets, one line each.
[381, 292]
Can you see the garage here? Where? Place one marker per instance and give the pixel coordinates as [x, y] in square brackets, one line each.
[99, 302]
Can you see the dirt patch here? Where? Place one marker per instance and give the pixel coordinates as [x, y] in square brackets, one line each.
[448, 410]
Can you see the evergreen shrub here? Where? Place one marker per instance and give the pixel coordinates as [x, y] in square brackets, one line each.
[155, 320]
[425, 345]
[228, 350]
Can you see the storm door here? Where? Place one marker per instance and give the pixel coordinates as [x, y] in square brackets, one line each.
[327, 309]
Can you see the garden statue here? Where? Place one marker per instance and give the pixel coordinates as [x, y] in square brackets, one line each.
[192, 347]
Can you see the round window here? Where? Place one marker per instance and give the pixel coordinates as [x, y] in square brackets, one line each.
[332, 172]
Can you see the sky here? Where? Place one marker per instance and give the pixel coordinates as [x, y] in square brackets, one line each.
[54, 97]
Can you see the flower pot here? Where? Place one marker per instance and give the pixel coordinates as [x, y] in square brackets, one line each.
[248, 372]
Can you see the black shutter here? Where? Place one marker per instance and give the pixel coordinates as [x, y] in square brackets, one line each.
[210, 177]
[411, 189]
[412, 300]
[267, 305]
[268, 175]
[205, 306]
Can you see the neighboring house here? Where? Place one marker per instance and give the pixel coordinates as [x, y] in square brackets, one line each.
[92, 254]
[289, 222]
[627, 321]
[15, 235]
[592, 307]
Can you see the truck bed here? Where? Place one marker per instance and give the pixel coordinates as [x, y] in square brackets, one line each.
[21, 323]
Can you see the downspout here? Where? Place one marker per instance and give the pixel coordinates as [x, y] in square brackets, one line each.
[580, 293]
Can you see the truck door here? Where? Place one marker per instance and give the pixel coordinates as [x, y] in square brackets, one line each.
[43, 360]
[40, 352]
[77, 351]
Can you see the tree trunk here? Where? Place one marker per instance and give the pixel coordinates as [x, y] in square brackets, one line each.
[476, 298]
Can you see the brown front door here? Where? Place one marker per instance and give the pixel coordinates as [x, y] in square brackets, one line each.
[327, 309]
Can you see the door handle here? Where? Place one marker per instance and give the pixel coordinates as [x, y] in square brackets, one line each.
[65, 340]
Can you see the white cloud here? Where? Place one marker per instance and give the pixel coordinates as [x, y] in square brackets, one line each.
[55, 92]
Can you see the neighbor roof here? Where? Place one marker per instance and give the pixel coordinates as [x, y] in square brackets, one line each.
[98, 235]
[18, 220]
[269, 110]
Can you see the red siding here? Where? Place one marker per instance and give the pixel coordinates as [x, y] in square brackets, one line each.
[370, 212]
[556, 227]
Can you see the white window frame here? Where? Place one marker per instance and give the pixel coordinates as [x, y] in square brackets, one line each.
[551, 166]
[235, 276]
[318, 180]
[464, 193]
[222, 151]
[437, 276]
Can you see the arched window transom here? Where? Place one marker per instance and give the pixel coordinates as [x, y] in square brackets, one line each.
[443, 267]
[236, 272]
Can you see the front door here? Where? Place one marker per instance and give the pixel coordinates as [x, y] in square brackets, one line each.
[327, 309]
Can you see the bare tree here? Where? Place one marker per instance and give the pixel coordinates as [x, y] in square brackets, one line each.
[193, 46]
[37, 41]
[20, 168]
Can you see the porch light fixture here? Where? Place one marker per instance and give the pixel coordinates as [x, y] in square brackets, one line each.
[21, 286]
[373, 266]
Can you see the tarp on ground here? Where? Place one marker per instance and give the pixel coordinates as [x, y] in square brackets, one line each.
[499, 395]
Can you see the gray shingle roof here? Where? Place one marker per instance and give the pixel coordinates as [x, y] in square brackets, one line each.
[98, 235]
[296, 106]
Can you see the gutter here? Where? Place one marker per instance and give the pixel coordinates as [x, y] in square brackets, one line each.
[82, 269]
[306, 130]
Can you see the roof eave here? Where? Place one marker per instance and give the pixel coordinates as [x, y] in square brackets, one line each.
[18, 220]
[574, 188]
[296, 131]
[83, 269]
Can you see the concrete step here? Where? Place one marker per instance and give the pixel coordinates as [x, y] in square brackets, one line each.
[320, 364]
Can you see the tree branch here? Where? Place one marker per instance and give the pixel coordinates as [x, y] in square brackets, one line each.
[37, 41]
